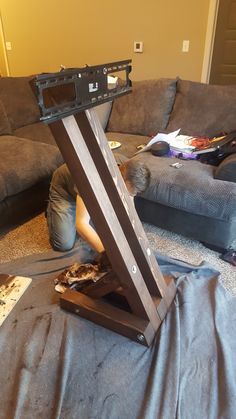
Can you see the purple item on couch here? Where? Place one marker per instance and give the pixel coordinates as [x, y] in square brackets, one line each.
[182, 155]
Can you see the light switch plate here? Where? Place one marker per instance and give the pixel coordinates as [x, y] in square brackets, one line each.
[185, 45]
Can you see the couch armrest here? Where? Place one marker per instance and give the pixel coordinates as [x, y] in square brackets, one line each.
[227, 169]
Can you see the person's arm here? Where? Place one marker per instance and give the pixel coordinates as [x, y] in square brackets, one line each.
[83, 227]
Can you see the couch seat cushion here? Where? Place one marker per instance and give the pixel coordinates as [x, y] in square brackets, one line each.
[203, 109]
[19, 101]
[24, 163]
[192, 188]
[146, 109]
[129, 142]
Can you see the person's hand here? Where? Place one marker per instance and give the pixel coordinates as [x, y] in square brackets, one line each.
[103, 261]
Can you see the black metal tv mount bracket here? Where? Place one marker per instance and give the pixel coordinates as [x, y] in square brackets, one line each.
[141, 295]
[76, 89]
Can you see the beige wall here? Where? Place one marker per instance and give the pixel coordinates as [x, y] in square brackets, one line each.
[3, 70]
[3, 58]
[45, 34]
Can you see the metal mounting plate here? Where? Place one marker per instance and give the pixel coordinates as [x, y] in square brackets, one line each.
[72, 90]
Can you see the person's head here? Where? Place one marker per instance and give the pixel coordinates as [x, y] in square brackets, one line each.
[136, 176]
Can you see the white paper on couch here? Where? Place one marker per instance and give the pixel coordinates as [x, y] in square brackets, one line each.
[179, 142]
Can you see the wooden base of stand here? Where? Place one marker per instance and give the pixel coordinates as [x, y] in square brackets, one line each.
[111, 309]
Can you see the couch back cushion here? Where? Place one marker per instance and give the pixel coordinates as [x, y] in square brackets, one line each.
[37, 132]
[103, 113]
[203, 109]
[146, 110]
[5, 127]
[24, 163]
[19, 101]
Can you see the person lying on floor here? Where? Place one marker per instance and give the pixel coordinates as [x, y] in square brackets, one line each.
[67, 214]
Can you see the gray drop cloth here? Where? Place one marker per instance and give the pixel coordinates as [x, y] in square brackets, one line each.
[55, 364]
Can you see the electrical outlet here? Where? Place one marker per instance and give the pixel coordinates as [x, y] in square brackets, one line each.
[8, 46]
[185, 46]
[138, 46]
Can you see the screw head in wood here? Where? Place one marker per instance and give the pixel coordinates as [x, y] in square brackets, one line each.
[140, 337]
[134, 269]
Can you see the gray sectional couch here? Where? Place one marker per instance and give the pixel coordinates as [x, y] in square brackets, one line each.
[189, 201]
[29, 154]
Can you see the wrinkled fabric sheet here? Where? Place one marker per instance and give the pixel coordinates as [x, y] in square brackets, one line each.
[55, 364]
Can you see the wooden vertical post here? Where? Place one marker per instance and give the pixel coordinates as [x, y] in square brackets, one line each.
[85, 149]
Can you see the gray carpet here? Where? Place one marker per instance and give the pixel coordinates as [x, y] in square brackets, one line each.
[58, 365]
[32, 237]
